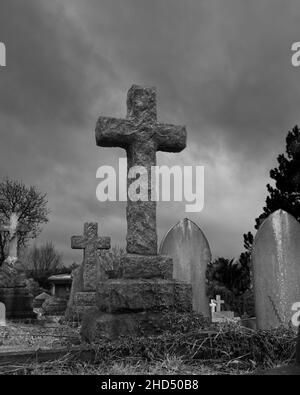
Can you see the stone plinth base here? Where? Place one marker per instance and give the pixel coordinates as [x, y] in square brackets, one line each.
[137, 295]
[147, 266]
[98, 326]
[83, 302]
[18, 303]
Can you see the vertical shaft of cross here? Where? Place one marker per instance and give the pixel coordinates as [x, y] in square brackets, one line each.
[141, 215]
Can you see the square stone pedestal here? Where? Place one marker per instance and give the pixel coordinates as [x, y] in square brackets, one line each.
[133, 305]
[83, 302]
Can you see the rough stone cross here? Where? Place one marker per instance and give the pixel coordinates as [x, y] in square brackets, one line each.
[90, 242]
[141, 136]
[13, 228]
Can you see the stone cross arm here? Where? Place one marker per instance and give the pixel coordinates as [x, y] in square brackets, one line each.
[90, 238]
[80, 243]
[116, 132]
[140, 125]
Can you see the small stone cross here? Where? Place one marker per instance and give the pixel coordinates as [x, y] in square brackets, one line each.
[219, 303]
[213, 306]
[13, 228]
[90, 242]
[141, 136]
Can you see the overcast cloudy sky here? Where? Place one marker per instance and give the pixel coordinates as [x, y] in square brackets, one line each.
[222, 68]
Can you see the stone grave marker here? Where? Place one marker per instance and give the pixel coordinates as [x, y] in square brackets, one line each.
[276, 270]
[217, 315]
[187, 245]
[2, 314]
[134, 303]
[13, 228]
[40, 299]
[84, 278]
[90, 242]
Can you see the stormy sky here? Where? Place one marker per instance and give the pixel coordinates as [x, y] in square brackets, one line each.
[221, 68]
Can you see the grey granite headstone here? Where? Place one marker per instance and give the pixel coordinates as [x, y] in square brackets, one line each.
[189, 248]
[276, 269]
[2, 314]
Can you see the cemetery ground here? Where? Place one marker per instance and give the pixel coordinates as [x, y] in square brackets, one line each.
[193, 347]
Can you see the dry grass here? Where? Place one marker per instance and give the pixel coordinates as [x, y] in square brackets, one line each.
[231, 350]
[45, 335]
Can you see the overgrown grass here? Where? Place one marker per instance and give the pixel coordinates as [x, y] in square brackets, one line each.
[225, 349]
[229, 346]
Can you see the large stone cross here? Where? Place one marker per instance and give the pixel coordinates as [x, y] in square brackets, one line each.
[13, 228]
[141, 136]
[90, 242]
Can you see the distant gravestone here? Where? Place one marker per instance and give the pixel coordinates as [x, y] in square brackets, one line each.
[189, 248]
[2, 314]
[40, 299]
[217, 315]
[276, 270]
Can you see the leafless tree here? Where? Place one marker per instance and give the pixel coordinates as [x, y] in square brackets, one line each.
[29, 204]
[42, 262]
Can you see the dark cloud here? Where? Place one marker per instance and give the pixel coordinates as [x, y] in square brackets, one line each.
[221, 68]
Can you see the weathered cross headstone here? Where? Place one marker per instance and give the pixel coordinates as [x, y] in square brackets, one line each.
[219, 302]
[83, 291]
[2, 314]
[187, 245]
[276, 270]
[90, 242]
[141, 136]
[134, 303]
[13, 229]
[217, 315]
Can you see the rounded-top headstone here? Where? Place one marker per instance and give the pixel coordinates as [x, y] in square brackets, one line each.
[187, 245]
[276, 270]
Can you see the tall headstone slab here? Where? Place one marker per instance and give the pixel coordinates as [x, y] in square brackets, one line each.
[145, 287]
[187, 245]
[276, 270]
[2, 314]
